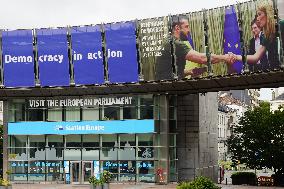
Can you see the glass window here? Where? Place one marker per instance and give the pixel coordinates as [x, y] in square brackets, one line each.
[73, 141]
[111, 113]
[127, 153]
[130, 113]
[54, 170]
[18, 154]
[72, 114]
[37, 167]
[90, 114]
[146, 112]
[109, 154]
[18, 166]
[37, 153]
[127, 140]
[18, 141]
[145, 139]
[145, 153]
[111, 166]
[36, 114]
[16, 110]
[72, 154]
[55, 141]
[54, 153]
[19, 177]
[146, 171]
[90, 153]
[146, 100]
[91, 141]
[109, 141]
[127, 170]
[54, 114]
[173, 171]
[37, 141]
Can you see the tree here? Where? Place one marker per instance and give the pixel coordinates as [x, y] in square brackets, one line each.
[258, 140]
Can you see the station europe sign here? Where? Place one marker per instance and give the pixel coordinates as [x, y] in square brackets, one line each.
[82, 127]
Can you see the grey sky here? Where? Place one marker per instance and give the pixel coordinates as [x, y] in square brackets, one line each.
[27, 14]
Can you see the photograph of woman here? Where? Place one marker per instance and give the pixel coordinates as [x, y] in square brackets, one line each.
[266, 21]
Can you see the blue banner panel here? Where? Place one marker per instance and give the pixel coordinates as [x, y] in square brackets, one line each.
[121, 52]
[18, 58]
[87, 55]
[84, 127]
[53, 57]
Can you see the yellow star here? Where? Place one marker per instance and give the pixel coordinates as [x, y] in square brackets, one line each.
[229, 45]
[236, 45]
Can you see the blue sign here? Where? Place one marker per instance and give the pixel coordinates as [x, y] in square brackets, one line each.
[37, 164]
[83, 127]
[53, 57]
[18, 58]
[121, 52]
[87, 55]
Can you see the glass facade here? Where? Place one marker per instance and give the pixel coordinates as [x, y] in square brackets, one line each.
[74, 158]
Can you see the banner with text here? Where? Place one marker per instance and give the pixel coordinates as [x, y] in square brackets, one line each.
[18, 58]
[155, 49]
[83, 127]
[121, 52]
[53, 57]
[87, 55]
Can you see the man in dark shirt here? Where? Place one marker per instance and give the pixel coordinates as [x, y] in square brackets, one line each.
[165, 63]
[254, 45]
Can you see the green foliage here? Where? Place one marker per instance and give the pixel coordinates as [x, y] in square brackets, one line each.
[258, 140]
[239, 178]
[4, 182]
[198, 183]
[243, 174]
[106, 176]
[227, 164]
[94, 181]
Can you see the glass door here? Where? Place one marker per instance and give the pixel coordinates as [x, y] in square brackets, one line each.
[75, 172]
[87, 171]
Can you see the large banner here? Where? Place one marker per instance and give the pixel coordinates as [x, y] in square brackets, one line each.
[260, 35]
[155, 47]
[83, 127]
[18, 58]
[121, 52]
[87, 55]
[53, 57]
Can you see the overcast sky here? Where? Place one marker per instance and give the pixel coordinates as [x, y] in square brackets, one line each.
[27, 14]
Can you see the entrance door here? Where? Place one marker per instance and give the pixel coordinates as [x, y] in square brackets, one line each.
[87, 171]
[75, 172]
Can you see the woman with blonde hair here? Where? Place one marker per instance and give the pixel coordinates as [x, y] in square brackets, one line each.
[268, 42]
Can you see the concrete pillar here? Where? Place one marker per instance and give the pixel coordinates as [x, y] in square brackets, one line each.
[197, 116]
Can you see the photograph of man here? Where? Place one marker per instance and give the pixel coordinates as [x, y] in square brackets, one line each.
[182, 52]
[254, 45]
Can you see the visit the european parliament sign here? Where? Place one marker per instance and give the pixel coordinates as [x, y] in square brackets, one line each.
[204, 44]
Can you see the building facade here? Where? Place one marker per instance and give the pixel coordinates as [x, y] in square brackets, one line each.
[68, 139]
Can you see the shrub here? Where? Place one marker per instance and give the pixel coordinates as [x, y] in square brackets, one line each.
[4, 182]
[94, 181]
[198, 183]
[239, 178]
[106, 176]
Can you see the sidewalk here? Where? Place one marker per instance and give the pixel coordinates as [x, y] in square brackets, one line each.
[126, 186]
[112, 186]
